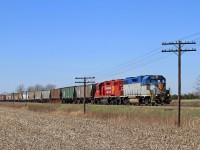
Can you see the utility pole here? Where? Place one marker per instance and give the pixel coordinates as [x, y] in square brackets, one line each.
[84, 83]
[179, 52]
[13, 97]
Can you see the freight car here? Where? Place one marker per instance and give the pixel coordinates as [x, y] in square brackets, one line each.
[68, 94]
[146, 89]
[46, 96]
[75, 94]
[89, 91]
[55, 95]
[17, 97]
[31, 96]
[10, 97]
[2, 97]
[25, 96]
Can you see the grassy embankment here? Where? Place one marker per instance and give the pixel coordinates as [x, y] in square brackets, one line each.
[164, 116]
[191, 103]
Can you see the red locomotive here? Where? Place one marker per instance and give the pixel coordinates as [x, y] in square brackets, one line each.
[109, 92]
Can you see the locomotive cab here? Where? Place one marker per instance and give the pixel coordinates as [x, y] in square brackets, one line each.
[156, 82]
[147, 89]
[157, 87]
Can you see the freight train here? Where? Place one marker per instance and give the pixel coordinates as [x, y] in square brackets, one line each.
[145, 89]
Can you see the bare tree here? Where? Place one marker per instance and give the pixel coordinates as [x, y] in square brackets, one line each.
[197, 86]
[20, 88]
[50, 87]
[30, 88]
[38, 87]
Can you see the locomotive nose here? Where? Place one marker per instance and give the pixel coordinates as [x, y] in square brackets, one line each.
[160, 86]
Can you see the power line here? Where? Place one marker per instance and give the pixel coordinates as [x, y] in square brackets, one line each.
[143, 58]
[127, 62]
[128, 65]
[196, 39]
[190, 36]
[136, 67]
[123, 65]
[180, 52]
[142, 62]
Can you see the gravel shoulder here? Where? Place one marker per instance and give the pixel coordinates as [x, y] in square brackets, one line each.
[23, 129]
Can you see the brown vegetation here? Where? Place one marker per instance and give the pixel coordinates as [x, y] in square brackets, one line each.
[63, 128]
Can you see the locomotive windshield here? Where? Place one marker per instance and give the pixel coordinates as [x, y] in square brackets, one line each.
[157, 81]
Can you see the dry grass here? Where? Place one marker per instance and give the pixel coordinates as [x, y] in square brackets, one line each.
[159, 116]
[24, 129]
[188, 102]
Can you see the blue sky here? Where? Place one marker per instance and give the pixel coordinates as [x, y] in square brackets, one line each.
[53, 41]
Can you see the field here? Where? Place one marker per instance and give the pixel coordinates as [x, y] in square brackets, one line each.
[57, 126]
[191, 102]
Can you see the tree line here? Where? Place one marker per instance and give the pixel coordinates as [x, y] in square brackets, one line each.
[37, 87]
[185, 96]
[194, 95]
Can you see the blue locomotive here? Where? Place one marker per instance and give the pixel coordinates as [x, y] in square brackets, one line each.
[147, 89]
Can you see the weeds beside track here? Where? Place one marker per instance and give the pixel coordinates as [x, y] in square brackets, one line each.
[162, 116]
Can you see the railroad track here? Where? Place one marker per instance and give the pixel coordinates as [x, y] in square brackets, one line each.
[164, 106]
